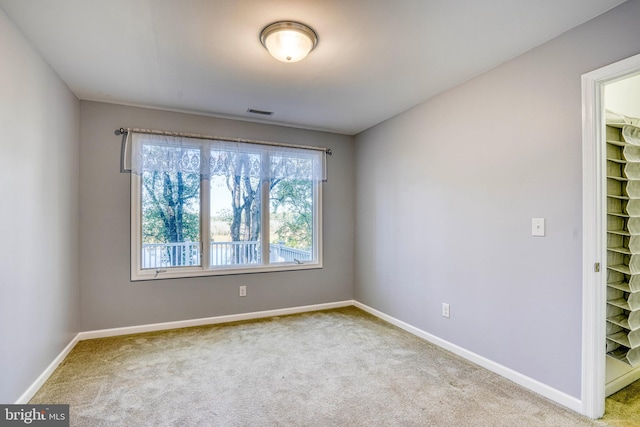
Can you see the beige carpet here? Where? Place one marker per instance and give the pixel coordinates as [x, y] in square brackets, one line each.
[331, 368]
[622, 409]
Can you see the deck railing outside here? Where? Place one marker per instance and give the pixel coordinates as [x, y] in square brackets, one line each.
[181, 254]
[161, 255]
[281, 253]
[235, 253]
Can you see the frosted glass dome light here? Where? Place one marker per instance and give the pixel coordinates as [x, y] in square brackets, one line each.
[288, 41]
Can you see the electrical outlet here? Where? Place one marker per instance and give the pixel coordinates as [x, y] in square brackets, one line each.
[243, 291]
[445, 310]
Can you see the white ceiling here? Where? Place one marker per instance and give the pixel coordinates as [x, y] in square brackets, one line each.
[374, 59]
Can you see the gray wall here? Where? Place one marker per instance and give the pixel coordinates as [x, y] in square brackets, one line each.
[110, 300]
[39, 287]
[445, 196]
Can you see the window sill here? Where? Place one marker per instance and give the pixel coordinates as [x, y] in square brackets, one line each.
[186, 272]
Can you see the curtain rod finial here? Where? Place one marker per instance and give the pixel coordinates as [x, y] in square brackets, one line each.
[119, 131]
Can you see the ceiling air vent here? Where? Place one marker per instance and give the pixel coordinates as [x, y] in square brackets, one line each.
[261, 112]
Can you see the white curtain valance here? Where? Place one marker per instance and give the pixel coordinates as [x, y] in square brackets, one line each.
[156, 152]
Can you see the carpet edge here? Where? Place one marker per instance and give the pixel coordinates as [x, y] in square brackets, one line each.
[127, 330]
[44, 376]
[529, 383]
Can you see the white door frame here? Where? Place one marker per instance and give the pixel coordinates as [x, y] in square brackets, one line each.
[594, 298]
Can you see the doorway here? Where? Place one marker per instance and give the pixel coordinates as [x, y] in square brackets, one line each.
[594, 366]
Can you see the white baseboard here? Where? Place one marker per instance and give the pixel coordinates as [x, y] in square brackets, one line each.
[518, 378]
[44, 376]
[533, 385]
[103, 333]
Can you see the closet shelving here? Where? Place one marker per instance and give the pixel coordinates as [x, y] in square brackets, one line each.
[623, 246]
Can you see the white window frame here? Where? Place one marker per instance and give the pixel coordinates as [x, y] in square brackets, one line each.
[138, 273]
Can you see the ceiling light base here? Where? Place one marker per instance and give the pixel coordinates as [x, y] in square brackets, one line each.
[288, 41]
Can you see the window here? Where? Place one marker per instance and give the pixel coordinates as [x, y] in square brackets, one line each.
[207, 207]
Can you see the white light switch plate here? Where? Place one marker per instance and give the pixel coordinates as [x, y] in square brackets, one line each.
[537, 227]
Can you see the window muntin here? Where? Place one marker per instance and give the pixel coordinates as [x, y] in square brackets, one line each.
[249, 208]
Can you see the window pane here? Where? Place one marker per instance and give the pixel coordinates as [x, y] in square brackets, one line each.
[170, 219]
[291, 220]
[235, 209]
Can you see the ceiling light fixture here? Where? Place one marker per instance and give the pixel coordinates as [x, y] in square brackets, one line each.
[288, 41]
